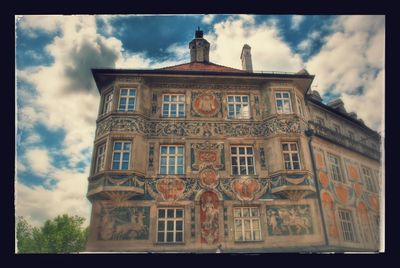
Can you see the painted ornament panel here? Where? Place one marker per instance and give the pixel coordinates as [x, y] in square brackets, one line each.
[206, 105]
[170, 189]
[329, 210]
[208, 177]
[209, 215]
[124, 223]
[289, 220]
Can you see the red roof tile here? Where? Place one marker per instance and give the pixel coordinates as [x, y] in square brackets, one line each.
[203, 67]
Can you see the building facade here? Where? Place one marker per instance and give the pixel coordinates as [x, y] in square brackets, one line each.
[195, 156]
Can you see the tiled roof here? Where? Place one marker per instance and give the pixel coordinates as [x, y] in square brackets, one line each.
[202, 67]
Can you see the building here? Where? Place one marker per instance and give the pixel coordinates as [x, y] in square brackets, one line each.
[197, 156]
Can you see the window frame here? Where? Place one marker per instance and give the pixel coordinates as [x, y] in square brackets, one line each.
[282, 99]
[237, 155]
[108, 104]
[290, 152]
[250, 219]
[177, 103]
[369, 179]
[122, 151]
[347, 233]
[168, 155]
[299, 106]
[339, 168]
[127, 97]
[101, 157]
[235, 103]
[166, 219]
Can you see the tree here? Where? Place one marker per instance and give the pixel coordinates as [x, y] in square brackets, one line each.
[61, 235]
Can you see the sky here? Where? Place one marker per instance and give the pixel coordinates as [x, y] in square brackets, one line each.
[57, 100]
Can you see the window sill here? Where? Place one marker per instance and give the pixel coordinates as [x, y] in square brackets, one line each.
[169, 243]
[250, 241]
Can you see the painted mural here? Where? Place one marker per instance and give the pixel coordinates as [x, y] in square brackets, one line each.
[208, 177]
[319, 156]
[207, 154]
[352, 170]
[362, 213]
[289, 220]
[124, 223]
[205, 105]
[245, 188]
[209, 215]
[170, 189]
[329, 210]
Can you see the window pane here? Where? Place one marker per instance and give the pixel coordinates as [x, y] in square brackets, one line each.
[242, 160]
[251, 170]
[166, 97]
[170, 225]
[180, 170]
[254, 212]
[170, 237]
[245, 99]
[246, 212]
[172, 160]
[295, 157]
[296, 165]
[237, 98]
[257, 235]
[179, 213]
[124, 92]
[171, 170]
[115, 165]
[237, 213]
[163, 160]
[180, 149]
[234, 161]
[250, 161]
[161, 225]
[125, 165]
[293, 147]
[235, 170]
[172, 150]
[127, 146]
[117, 157]
[243, 170]
[249, 150]
[160, 237]
[285, 147]
[180, 160]
[163, 149]
[179, 226]
[181, 98]
[233, 150]
[125, 157]
[161, 213]
[179, 237]
[247, 235]
[132, 92]
[170, 213]
[256, 224]
[278, 95]
[241, 150]
[117, 146]
[163, 170]
[285, 95]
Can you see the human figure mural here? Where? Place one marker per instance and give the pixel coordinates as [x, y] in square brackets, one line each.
[209, 217]
[289, 220]
[327, 203]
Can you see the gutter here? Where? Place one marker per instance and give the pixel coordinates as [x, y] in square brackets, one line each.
[310, 133]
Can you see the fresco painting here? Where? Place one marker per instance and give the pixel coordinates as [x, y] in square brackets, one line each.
[289, 220]
[209, 218]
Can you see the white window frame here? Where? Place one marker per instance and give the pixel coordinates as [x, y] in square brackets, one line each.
[127, 97]
[168, 156]
[286, 107]
[174, 220]
[121, 152]
[347, 225]
[246, 156]
[368, 179]
[251, 220]
[291, 153]
[336, 168]
[238, 103]
[171, 103]
[108, 102]
[299, 106]
[100, 158]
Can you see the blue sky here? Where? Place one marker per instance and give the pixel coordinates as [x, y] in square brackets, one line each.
[57, 101]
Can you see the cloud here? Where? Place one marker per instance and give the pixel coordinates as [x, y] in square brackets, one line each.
[38, 160]
[31, 24]
[307, 43]
[207, 19]
[296, 21]
[351, 59]
[269, 51]
[38, 203]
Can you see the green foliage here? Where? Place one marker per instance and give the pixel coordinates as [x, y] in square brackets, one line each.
[61, 235]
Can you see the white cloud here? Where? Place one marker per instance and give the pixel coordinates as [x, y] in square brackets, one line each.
[269, 51]
[38, 160]
[31, 23]
[296, 21]
[348, 60]
[207, 19]
[38, 203]
[305, 45]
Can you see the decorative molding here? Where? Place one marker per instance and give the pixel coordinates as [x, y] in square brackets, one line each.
[204, 87]
[164, 128]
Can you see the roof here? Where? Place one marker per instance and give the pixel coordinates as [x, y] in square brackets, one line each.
[202, 66]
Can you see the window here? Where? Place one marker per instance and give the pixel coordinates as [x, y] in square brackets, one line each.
[172, 159]
[347, 226]
[369, 181]
[173, 105]
[247, 224]
[299, 106]
[335, 168]
[336, 128]
[320, 121]
[107, 107]
[291, 155]
[238, 106]
[100, 156]
[283, 105]
[127, 100]
[121, 155]
[170, 225]
[351, 135]
[242, 160]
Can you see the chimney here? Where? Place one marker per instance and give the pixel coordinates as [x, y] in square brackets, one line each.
[247, 65]
[199, 48]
